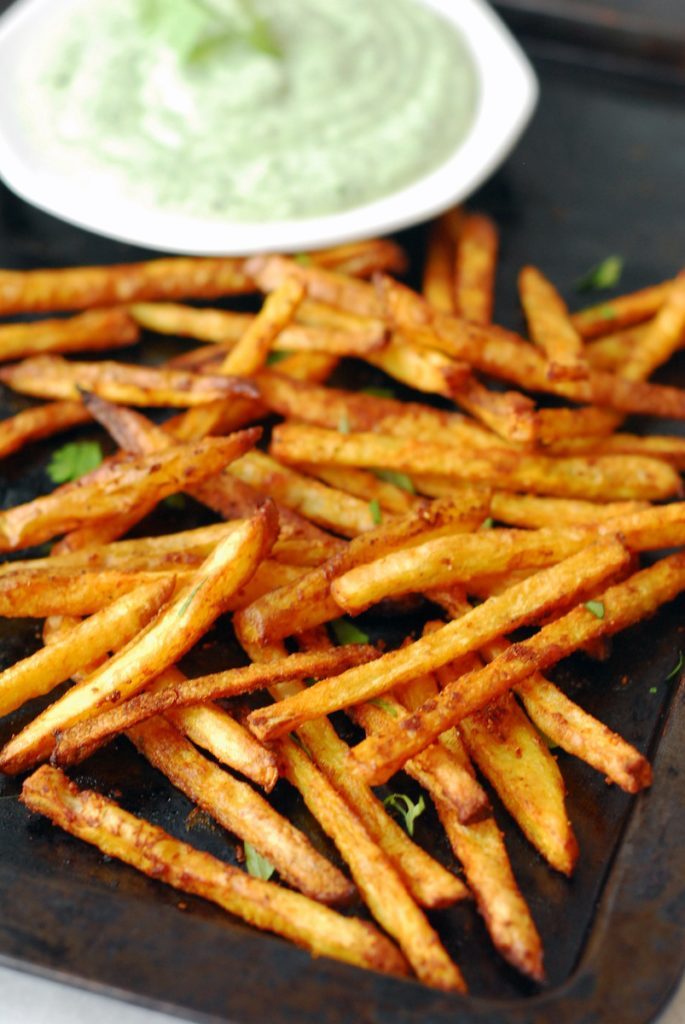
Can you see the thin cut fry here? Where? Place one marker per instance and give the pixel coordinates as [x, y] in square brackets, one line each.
[96, 329]
[551, 327]
[38, 422]
[475, 265]
[438, 267]
[278, 310]
[622, 312]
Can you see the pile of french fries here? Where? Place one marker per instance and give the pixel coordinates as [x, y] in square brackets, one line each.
[487, 509]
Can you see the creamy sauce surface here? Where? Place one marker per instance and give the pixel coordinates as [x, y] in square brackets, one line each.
[364, 97]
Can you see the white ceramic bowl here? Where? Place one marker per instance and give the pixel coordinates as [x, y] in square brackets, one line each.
[506, 95]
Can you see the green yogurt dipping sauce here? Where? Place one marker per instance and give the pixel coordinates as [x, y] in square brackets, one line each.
[328, 105]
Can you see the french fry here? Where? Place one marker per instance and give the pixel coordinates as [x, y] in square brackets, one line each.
[550, 326]
[241, 810]
[658, 446]
[623, 604]
[148, 848]
[554, 425]
[54, 377]
[172, 633]
[118, 488]
[536, 513]
[368, 486]
[76, 741]
[429, 883]
[308, 602]
[547, 591]
[38, 422]
[25, 291]
[420, 368]
[107, 631]
[278, 310]
[96, 329]
[438, 267]
[376, 879]
[347, 293]
[475, 265]
[661, 338]
[622, 312]
[217, 325]
[608, 478]
[508, 414]
[363, 258]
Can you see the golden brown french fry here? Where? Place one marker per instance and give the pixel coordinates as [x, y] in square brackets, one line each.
[623, 604]
[96, 329]
[325, 286]
[241, 810]
[77, 741]
[376, 878]
[661, 338]
[624, 311]
[429, 883]
[217, 325]
[55, 377]
[368, 486]
[308, 602]
[549, 590]
[38, 422]
[535, 513]
[107, 631]
[363, 258]
[509, 414]
[420, 368]
[658, 446]
[148, 848]
[550, 326]
[553, 425]
[475, 265]
[118, 488]
[24, 291]
[438, 267]
[172, 633]
[608, 477]
[278, 310]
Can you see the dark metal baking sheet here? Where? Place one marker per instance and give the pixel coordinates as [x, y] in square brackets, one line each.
[599, 171]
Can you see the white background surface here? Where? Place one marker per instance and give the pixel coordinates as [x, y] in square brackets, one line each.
[28, 1000]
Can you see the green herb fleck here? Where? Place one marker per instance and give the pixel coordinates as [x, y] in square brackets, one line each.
[384, 705]
[406, 807]
[652, 689]
[347, 633]
[257, 865]
[378, 392]
[400, 480]
[607, 312]
[376, 512]
[73, 460]
[675, 671]
[487, 524]
[604, 275]
[344, 424]
[276, 357]
[546, 739]
[596, 607]
[176, 502]
[303, 258]
[186, 604]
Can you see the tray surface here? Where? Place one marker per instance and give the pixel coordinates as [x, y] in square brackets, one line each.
[598, 172]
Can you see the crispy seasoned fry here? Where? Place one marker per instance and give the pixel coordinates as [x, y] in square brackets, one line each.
[658, 446]
[368, 486]
[623, 604]
[363, 258]
[376, 878]
[118, 488]
[551, 327]
[622, 312]
[554, 425]
[107, 631]
[475, 265]
[119, 834]
[78, 740]
[38, 422]
[86, 332]
[54, 377]
[509, 414]
[608, 478]
[322, 285]
[172, 633]
[241, 810]
[420, 368]
[662, 336]
[547, 591]
[218, 325]
[24, 291]
[308, 602]
[438, 267]
[535, 513]
[278, 310]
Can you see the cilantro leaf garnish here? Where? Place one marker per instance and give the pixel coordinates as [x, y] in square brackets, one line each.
[186, 604]
[176, 502]
[344, 424]
[73, 460]
[596, 607]
[384, 705]
[675, 671]
[378, 392]
[303, 258]
[487, 523]
[347, 633]
[276, 357]
[376, 511]
[401, 480]
[406, 807]
[255, 864]
[604, 275]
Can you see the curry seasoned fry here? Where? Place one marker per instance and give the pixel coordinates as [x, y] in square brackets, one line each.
[38, 422]
[217, 325]
[621, 312]
[148, 848]
[550, 326]
[421, 368]
[534, 512]
[547, 591]
[90, 331]
[54, 377]
[363, 258]
[241, 810]
[252, 349]
[475, 267]
[26, 291]
[171, 634]
[509, 414]
[438, 267]
[661, 338]
[119, 488]
[623, 604]
[325, 286]
[366, 485]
